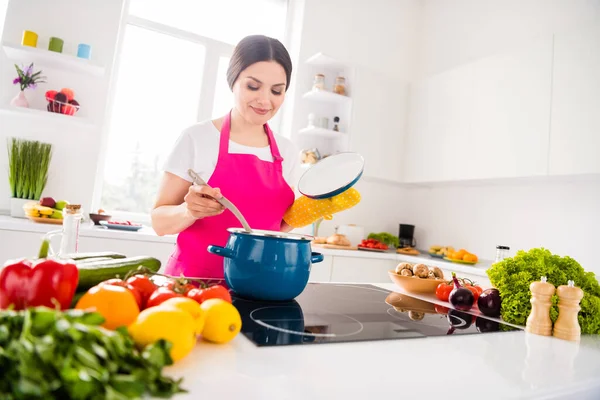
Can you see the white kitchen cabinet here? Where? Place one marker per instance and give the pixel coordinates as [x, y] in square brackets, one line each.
[483, 120]
[321, 272]
[437, 145]
[575, 127]
[378, 123]
[361, 270]
[510, 120]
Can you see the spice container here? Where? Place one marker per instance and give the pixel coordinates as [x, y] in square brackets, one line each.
[501, 252]
[70, 233]
[319, 83]
[336, 121]
[340, 85]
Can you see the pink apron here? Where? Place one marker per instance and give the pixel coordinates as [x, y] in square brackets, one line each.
[256, 187]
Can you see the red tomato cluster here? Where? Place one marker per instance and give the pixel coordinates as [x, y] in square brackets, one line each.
[373, 244]
[443, 290]
[147, 294]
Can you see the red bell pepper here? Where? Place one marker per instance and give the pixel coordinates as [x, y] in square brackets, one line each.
[44, 283]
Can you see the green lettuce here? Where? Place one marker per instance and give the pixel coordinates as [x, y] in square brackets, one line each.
[512, 277]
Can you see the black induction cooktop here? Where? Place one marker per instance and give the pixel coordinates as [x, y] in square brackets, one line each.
[330, 313]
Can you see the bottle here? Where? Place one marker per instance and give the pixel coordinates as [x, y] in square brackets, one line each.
[567, 326]
[336, 121]
[70, 232]
[501, 252]
[319, 82]
[340, 85]
[539, 321]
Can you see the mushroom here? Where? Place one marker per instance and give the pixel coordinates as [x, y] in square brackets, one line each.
[403, 266]
[406, 272]
[416, 315]
[421, 270]
[430, 274]
[437, 272]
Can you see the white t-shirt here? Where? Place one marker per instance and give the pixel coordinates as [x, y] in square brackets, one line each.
[198, 148]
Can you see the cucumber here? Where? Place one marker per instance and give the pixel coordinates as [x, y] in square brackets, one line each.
[93, 272]
[96, 254]
[90, 260]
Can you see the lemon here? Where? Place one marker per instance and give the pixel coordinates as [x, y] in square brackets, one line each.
[190, 306]
[169, 323]
[222, 321]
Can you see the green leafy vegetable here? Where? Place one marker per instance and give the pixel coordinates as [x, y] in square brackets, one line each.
[385, 237]
[48, 354]
[512, 277]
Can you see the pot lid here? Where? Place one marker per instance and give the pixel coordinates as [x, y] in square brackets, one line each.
[331, 175]
[273, 234]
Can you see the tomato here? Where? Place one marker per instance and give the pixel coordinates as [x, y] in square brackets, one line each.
[443, 290]
[212, 292]
[144, 286]
[180, 286]
[135, 292]
[161, 294]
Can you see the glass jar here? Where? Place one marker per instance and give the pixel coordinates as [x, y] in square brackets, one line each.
[319, 83]
[340, 85]
[501, 253]
[70, 232]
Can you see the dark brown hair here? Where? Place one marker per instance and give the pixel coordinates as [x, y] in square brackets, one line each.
[257, 48]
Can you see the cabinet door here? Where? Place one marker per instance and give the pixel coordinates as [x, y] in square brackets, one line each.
[439, 127]
[511, 114]
[575, 128]
[361, 270]
[321, 272]
[378, 123]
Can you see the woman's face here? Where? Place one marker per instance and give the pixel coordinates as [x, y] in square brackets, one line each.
[259, 91]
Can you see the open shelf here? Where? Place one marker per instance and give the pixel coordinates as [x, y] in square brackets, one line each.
[326, 97]
[49, 117]
[46, 58]
[324, 61]
[313, 130]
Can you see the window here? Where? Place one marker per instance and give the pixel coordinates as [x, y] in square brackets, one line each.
[171, 73]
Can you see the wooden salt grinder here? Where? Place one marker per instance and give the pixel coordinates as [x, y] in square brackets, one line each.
[567, 326]
[539, 321]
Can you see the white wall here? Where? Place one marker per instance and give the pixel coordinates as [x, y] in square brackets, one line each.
[378, 39]
[562, 215]
[76, 149]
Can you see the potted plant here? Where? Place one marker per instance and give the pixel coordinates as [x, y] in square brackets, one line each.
[26, 79]
[28, 163]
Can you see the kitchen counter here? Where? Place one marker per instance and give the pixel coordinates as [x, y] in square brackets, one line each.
[509, 365]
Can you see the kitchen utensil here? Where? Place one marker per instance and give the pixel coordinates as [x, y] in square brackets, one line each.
[332, 175]
[406, 235]
[334, 246]
[223, 201]
[414, 284]
[120, 227]
[266, 265]
[99, 217]
[539, 322]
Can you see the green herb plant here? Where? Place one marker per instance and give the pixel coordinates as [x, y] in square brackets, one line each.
[512, 277]
[28, 164]
[48, 354]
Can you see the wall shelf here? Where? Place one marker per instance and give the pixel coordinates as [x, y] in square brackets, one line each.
[46, 58]
[48, 117]
[324, 61]
[328, 133]
[326, 97]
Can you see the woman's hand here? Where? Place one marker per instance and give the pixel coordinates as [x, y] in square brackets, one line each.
[200, 201]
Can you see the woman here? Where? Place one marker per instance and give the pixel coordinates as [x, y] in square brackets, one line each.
[236, 155]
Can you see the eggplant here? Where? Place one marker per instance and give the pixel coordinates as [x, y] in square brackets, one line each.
[489, 302]
[461, 298]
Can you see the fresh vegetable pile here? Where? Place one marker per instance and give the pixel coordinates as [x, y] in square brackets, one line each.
[373, 244]
[512, 278]
[384, 237]
[48, 354]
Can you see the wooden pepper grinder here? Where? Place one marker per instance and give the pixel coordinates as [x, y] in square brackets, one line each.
[567, 326]
[539, 321]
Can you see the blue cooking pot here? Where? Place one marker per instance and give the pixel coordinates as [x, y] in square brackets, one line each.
[266, 265]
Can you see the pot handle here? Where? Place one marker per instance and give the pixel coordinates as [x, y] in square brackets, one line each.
[220, 251]
[316, 257]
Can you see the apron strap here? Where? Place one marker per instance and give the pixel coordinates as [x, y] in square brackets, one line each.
[225, 135]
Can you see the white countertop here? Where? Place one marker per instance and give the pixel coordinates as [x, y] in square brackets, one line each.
[508, 365]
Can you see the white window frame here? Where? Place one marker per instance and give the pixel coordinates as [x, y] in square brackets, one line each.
[214, 50]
